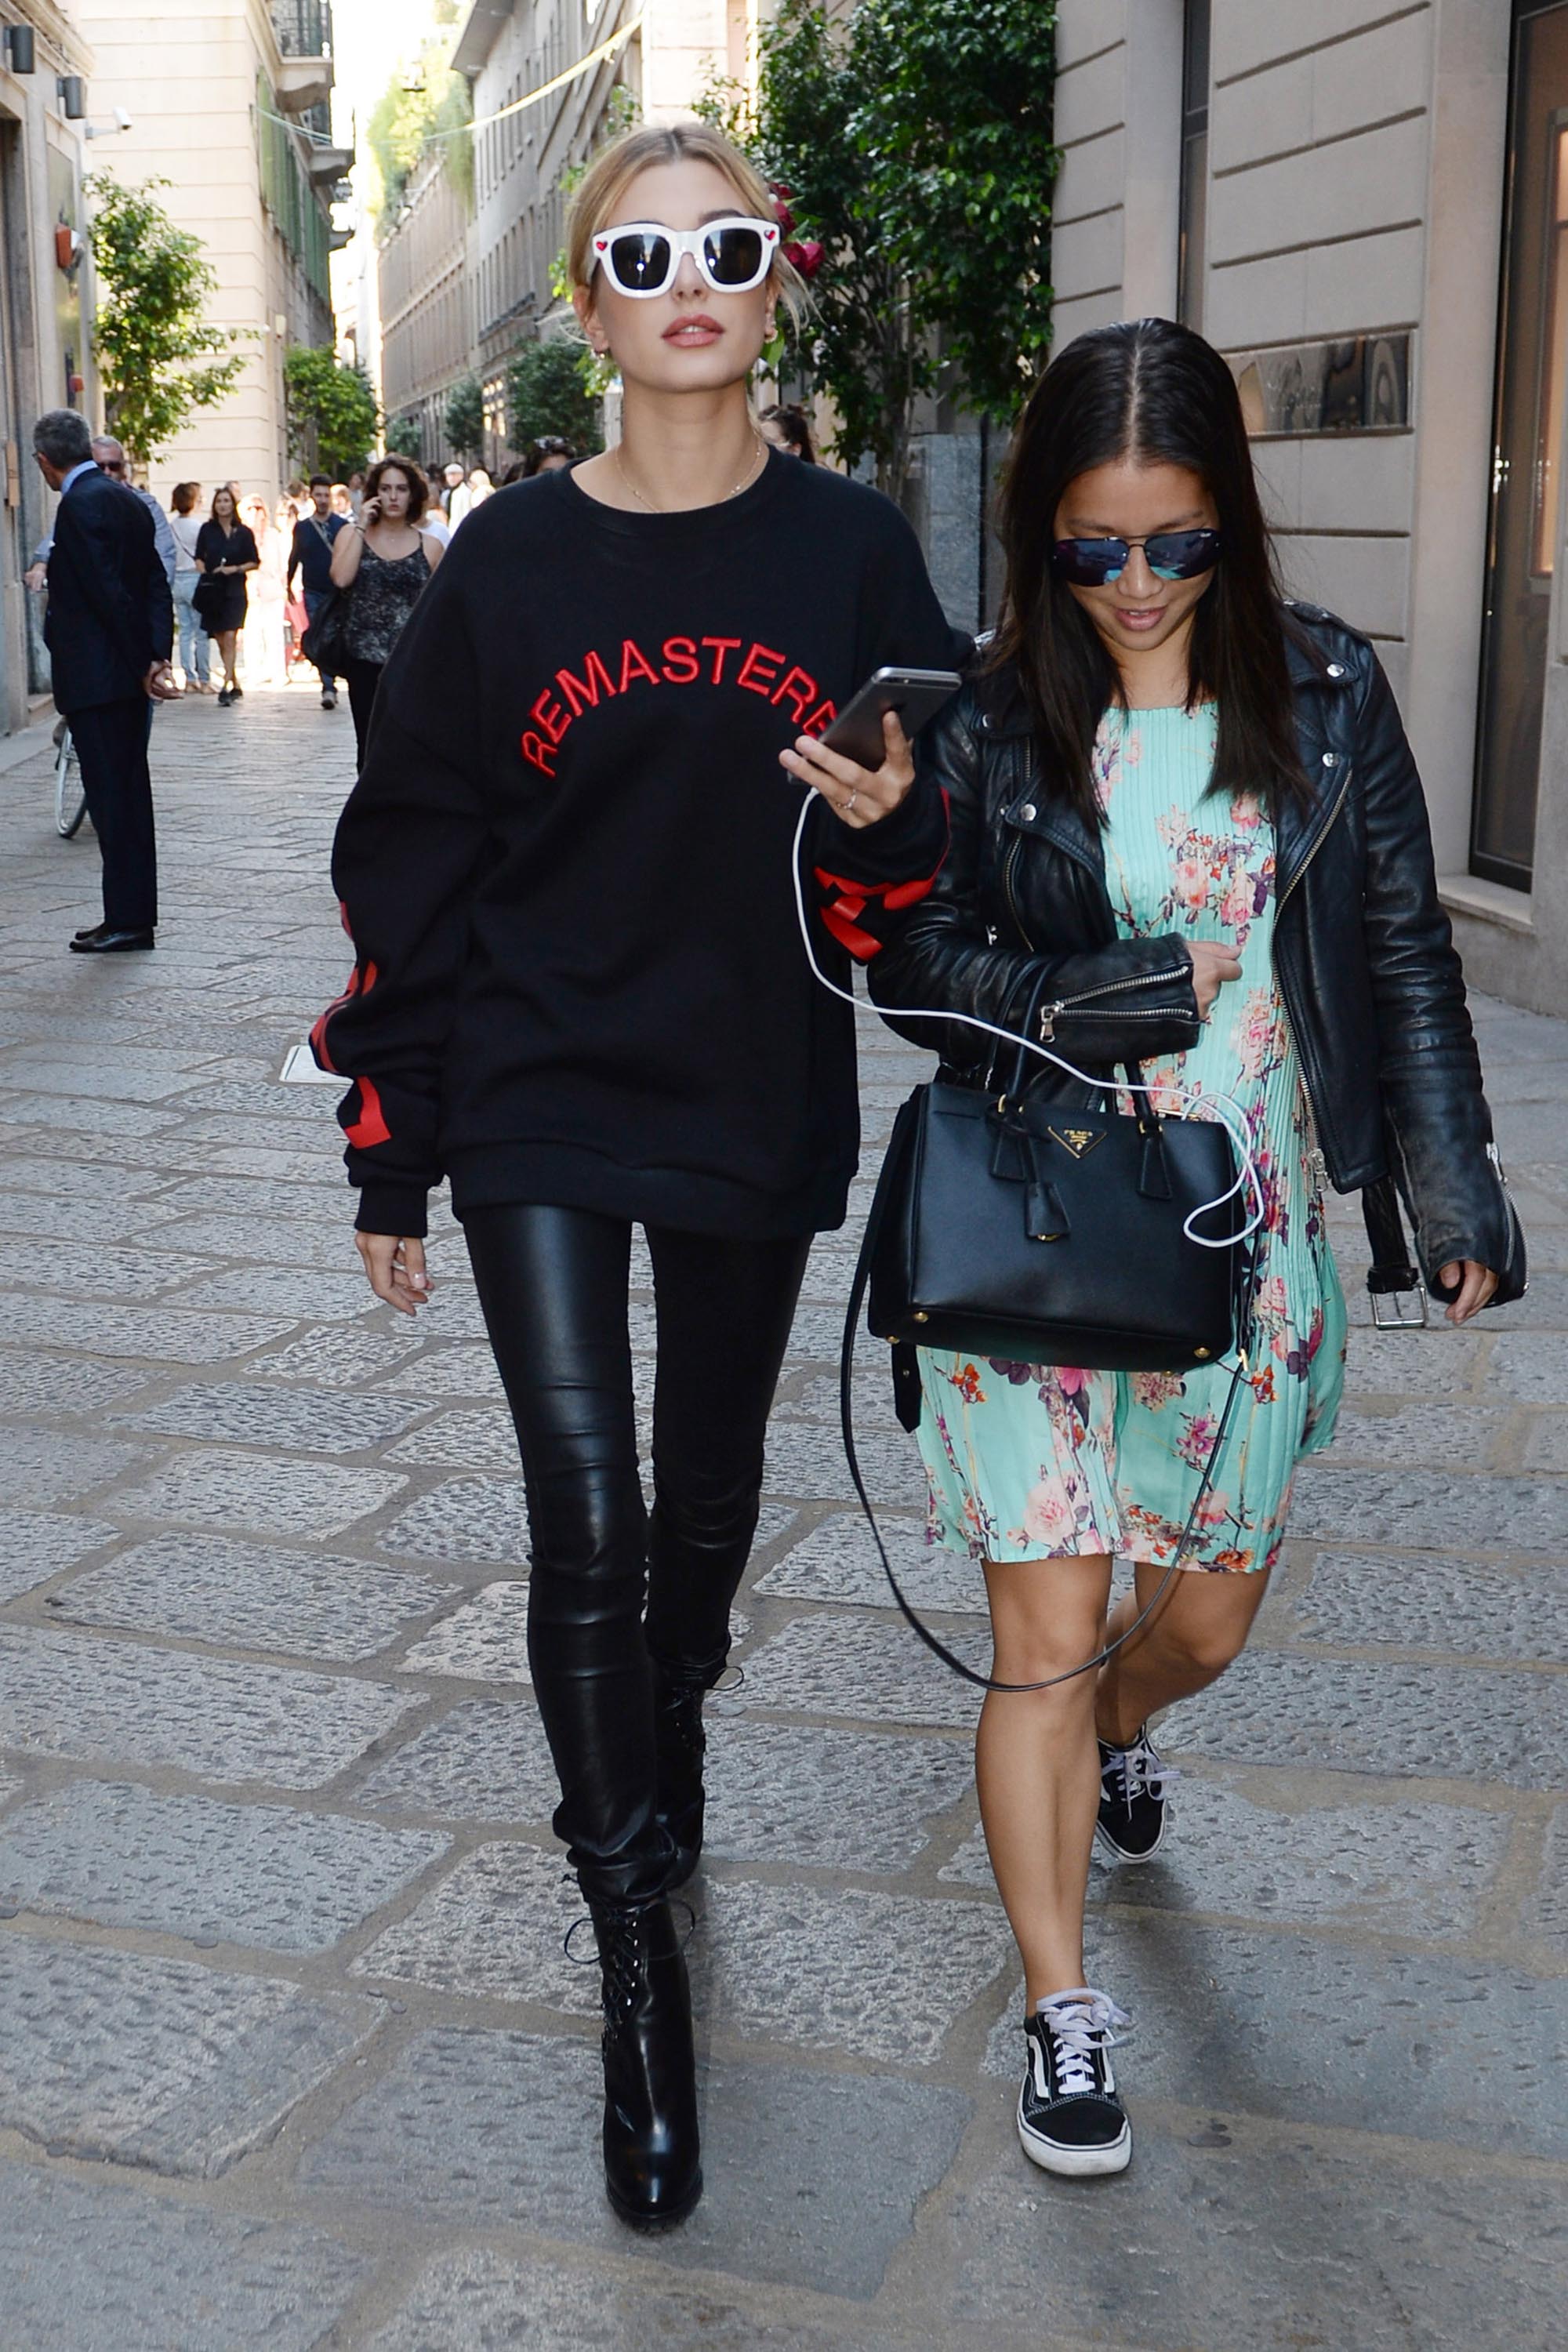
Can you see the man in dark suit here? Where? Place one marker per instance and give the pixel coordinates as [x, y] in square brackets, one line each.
[109, 631]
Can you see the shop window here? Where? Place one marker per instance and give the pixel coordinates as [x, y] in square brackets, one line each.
[1192, 248]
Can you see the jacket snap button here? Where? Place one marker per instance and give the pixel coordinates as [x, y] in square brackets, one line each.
[1336, 669]
[1330, 759]
[1028, 811]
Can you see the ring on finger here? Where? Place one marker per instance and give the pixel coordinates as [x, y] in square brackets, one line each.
[849, 803]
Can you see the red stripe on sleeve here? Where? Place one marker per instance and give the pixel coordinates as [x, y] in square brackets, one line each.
[370, 1128]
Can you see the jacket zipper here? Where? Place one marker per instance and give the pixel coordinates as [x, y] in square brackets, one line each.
[1067, 1005]
[1008, 865]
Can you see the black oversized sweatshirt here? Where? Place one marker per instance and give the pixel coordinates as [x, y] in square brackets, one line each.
[565, 868]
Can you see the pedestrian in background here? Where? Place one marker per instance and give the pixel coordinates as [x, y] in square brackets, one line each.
[110, 455]
[311, 557]
[788, 428]
[1186, 823]
[432, 522]
[342, 502]
[381, 563]
[226, 551]
[109, 631]
[266, 621]
[548, 455]
[356, 491]
[194, 650]
[312, 561]
[456, 500]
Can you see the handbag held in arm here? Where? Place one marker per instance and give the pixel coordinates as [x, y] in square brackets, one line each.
[325, 642]
[1021, 1228]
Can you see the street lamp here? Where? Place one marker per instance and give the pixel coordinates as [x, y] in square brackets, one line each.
[19, 48]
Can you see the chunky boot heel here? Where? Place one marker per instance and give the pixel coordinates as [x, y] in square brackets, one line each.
[680, 1744]
[653, 2168]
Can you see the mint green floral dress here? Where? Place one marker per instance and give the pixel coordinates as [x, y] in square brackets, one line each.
[1044, 1462]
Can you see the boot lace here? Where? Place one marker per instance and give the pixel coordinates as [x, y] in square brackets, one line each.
[1080, 2025]
[1137, 1771]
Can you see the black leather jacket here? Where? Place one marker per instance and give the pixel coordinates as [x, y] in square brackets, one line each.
[1362, 950]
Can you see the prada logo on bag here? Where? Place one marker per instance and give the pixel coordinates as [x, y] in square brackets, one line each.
[1079, 1140]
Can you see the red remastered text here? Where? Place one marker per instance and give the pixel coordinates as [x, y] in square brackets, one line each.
[682, 661]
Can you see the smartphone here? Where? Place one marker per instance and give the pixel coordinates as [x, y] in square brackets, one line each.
[916, 694]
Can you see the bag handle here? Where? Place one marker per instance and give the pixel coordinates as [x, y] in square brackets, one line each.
[847, 1415]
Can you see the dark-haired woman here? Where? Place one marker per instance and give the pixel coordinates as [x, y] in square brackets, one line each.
[381, 562]
[226, 552]
[580, 989]
[789, 429]
[1187, 832]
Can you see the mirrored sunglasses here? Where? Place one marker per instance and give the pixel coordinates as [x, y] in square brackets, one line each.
[1170, 555]
[733, 255]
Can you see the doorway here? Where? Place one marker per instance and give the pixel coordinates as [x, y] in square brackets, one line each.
[1527, 491]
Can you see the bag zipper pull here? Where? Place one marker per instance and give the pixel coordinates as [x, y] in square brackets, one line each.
[1050, 1015]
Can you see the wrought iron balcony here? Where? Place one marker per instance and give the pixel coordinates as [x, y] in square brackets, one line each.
[304, 27]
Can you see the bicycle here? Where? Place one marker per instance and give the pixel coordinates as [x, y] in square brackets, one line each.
[70, 796]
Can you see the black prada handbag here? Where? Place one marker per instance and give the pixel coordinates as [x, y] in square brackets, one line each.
[1016, 1227]
[325, 642]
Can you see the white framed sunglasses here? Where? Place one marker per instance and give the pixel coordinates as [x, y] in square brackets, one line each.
[733, 255]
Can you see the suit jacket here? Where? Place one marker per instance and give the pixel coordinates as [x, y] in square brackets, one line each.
[110, 614]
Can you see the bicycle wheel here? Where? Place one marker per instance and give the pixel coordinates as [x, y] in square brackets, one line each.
[70, 800]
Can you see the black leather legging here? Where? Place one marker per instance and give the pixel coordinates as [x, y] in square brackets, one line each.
[553, 1283]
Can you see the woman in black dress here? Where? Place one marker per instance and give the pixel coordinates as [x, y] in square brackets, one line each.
[225, 551]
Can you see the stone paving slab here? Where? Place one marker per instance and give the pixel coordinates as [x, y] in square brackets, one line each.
[306, 1294]
[1401, 1867]
[248, 1413]
[167, 1335]
[1315, 2031]
[1232, 2242]
[838, 1561]
[70, 1387]
[37, 1545]
[125, 2060]
[485, 1761]
[123, 1856]
[833, 1665]
[1430, 1722]
[1427, 1602]
[44, 1465]
[93, 1270]
[217, 1488]
[484, 1640]
[251, 1597]
[1430, 1510]
[479, 1519]
[479, 2302]
[81, 1697]
[143, 2265]
[815, 2179]
[334, 1358]
[456, 1369]
[831, 1799]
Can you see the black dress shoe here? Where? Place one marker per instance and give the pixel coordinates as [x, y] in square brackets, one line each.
[90, 931]
[680, 1744]
[653, 2167]
[104, 942]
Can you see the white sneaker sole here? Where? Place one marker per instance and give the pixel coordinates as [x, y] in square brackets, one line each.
[1077, 2163]
[1108, 1846]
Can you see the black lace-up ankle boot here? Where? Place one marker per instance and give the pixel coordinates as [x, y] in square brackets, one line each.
[681, 1744]
[653, 2168]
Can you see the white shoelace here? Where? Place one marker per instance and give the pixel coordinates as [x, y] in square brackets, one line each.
[1141, 1771]
[1082, 2023]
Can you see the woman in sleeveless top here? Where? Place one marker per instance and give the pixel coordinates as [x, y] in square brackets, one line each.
[381, 562]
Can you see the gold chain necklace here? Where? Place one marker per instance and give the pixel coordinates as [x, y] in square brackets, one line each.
[745, 481]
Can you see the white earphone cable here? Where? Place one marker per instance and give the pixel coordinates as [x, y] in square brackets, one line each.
[1224, 1107]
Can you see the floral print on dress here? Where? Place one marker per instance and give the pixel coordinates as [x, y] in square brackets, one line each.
[1039, 1462]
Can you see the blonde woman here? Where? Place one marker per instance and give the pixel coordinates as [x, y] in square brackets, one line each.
[266, 645]
[580, 993]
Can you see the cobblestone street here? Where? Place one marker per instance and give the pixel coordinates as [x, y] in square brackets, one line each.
[291, 2055]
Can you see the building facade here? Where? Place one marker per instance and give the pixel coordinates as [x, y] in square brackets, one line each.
[45, 304]
[1364, 204]
[428, 281]
[229, 104]
[460, 295]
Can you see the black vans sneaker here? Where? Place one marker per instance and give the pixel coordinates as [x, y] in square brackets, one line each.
[1069, 2118]
[1133, 1786]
